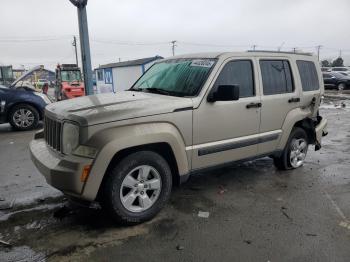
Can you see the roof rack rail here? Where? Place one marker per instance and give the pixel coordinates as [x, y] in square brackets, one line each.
[280, 52]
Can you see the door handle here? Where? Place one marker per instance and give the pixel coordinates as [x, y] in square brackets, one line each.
[294, 100]
[253, 105]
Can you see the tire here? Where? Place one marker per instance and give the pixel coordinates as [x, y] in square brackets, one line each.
[294, 154]
[24, 117]
[127, 194]
[341, 86]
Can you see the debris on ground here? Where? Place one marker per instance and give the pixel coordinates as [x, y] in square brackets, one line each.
[222, 190]
[7, 244]
[311, 235]
[179, 247]
[247, 241]
[343, 105]
[203, 214]
[285, 213]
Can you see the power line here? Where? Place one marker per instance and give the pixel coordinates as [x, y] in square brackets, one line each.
[128, 43]
[17, 40]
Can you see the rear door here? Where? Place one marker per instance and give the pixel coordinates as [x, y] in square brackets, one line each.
[310, 85]
[329, 80]
[279, 96]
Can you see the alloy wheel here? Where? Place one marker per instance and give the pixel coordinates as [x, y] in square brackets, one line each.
[140, 188]
[23, 118]
[298, 152]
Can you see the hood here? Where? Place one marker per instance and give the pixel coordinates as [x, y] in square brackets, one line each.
[102, 108]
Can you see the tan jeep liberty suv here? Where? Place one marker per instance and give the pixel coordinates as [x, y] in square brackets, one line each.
[185, 114]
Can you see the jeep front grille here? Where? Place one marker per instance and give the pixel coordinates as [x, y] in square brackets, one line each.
[52, 133]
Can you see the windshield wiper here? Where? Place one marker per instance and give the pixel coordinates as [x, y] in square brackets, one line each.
[136, 89]
[157, 91]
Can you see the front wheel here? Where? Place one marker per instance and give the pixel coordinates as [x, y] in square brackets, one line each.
[294, 154]
[24, 117]
[137, 188]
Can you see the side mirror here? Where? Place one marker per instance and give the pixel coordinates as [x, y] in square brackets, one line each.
[224, 93]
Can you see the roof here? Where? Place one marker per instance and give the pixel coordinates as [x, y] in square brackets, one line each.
[136, 62]
[259, 53]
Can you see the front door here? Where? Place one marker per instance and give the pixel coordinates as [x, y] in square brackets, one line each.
[225, 131]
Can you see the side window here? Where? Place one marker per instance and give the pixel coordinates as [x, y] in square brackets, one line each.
[308, 75]
[276, 77]
[238, 73]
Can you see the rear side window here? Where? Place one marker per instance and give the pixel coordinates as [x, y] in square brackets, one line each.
[276, 77]
[238, 73]
[308, 75]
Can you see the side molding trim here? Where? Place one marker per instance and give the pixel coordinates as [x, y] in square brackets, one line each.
[237, 144]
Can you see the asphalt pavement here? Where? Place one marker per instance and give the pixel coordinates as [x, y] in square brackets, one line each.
[255, 212]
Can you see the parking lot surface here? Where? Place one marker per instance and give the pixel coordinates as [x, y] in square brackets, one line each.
[247, 212]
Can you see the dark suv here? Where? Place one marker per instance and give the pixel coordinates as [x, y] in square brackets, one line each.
[336, 80]
[22, 106]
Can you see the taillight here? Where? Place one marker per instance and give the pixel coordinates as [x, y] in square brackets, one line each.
[68, 89]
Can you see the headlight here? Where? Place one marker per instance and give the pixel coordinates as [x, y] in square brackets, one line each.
[70, 137]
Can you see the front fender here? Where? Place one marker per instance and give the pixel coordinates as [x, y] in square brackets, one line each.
[113, 140]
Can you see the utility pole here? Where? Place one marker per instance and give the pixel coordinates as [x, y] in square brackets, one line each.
[173, 46]
[318, 51]
[340, 53]
[254, 47]
[84, 44]
[75, 48]
[294, 49]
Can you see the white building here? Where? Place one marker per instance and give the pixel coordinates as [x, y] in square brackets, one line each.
[120, 76]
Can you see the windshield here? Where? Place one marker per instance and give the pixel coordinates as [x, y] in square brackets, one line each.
[179, 77]
[69, 76]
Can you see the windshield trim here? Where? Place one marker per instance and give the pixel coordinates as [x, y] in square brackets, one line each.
[182, 58]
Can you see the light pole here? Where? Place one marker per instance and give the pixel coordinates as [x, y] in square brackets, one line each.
[84, 44]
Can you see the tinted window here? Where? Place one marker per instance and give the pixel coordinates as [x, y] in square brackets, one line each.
[276, 77]
[238, 73]
[308, 75]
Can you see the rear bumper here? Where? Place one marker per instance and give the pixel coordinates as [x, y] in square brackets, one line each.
[73, 94]
[59, 171]
[321, 130]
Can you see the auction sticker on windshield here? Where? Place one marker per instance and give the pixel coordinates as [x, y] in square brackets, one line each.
[202, 63]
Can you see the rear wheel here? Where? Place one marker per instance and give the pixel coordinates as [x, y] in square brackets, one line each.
[24, 117]
[137, 187]
[294, 154]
